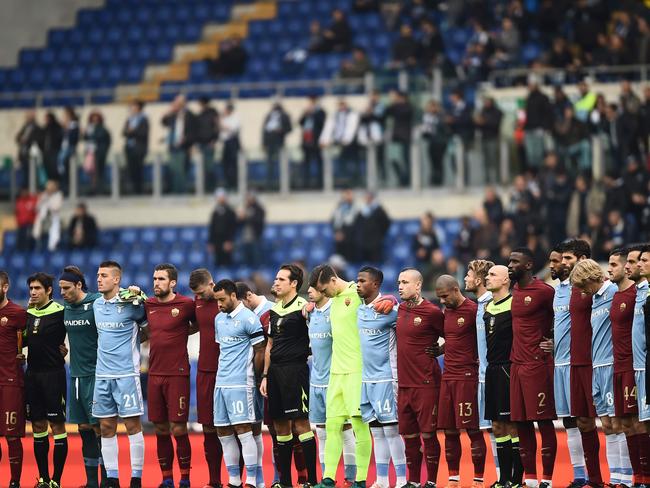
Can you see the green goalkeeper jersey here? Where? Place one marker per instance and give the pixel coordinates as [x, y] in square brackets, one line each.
[346, 346]
[79, 321]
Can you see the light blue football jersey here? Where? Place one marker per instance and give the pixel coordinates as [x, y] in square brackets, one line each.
[378, 343]
[481, 339]
[320, 340]
[237, 332]
[638, 327]
[118, 342]
[562, 324]
[265, 306]
[602, 349]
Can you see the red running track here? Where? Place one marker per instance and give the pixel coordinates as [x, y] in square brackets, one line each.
[74, 475]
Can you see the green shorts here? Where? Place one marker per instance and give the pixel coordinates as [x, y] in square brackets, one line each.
[344, 395]
[80, 400]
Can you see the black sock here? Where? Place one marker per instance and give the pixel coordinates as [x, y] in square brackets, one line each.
[517, 467]
[285, 450]
[91, 456]
[504, 455]
[102, 468]
[41, 450]
[308, 443]
[60, 454]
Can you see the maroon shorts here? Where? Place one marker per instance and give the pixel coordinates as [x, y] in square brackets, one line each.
[168, 398]
[458, 404]
[625, 392]
[531, 392]
[12, 410]
[417, 409]
[205, 381]
[582, 401]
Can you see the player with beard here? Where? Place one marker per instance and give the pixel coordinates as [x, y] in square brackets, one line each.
[171, 320]
[457, 406]
[206, 308]
[531, 373]
[13, 320]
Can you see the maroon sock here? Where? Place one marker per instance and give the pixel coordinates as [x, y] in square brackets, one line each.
[213, 456]
[633, 449]
[299, 461]
[15, 448]
[432, 456]
[413, 458]
[479, 451]
[184, 455]
[165, 450]
[644, 456]
[591, 447]
[528, 449]
[549, 447]
[452, 452]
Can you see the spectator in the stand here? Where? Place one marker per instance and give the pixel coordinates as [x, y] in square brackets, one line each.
[461, 125]
[27, 137]
[463, 243]
[560, 103]
[221, 230]
[181, 125]
[98, 143]
[251, 222]
[431, 48]
[643, 28]
[488, 123]
[25, 216]
[71, 132]
[507, 241]
[372, 224]
[400, 112]
[630, 120]
[136, 133]
[426, 241]
[207, 135]
[364, 6]
[435, 131]
[340, 130]
[404, 52]
[229, 133]
[595, 235]
[507, 44]
[584, 200]
[587, 101]
[614, 231]
[539, 121]
[613, 132]
[616, 196]
[343, 226]
[275, 128]
[547, 14]
[519, 15]
[311, 123]
[47, 226]
[50, 145]
[636, 181]
[519, 192]
[572, 138]
[233, 58]
[338, 36]
[493, 206]
[390, 12]
[82, 231]
[484, 237]
[585, 24]
[560, 56]
[357, 66]
[557, 196]
[371, 130]
[317, 43]
[645, 115]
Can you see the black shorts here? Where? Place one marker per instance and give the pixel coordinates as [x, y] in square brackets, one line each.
[497, 392]
[45, 394]
[288, 391]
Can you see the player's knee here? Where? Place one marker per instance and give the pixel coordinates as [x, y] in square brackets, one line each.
[58, 428]
[586, 424]
[608, 426]
[85, 427]
[499, 429]
[282, 427]
[452, 432]
[133, 425]
[161, 428]
[209, 429]
[569, 422]
[108, 429]
[301, 426]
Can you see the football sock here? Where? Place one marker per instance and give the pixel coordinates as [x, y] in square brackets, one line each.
[576, 453]
[285, 451]
[396, 446]
[322, 440]
[349, 454]
[165, 451]
[431, 455]
[136, 450]
[528, 451]
[41, 450]
[308, 443]
[382, 455]
[15, 448]
[184, 455]
[591, 446]
[613, 458]
[249, 453]
[517, 467]
[334, 446]
[363, 447]
[213, 457]
[452, 453]
[413, 458]
[299, 460]
[504, 455]
[259, 442]
[231, 458]
[479, 450]
[625, 463]
[90, 454]
[110, 455]
[102, 468]
[493, 445]
[549, 448]
[59, 456]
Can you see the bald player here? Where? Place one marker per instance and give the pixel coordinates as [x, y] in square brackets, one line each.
[419, 327]
[458, 403]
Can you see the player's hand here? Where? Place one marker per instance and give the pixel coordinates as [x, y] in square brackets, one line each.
[134, 290]
[547, 345]
[384, 304]
[434, 351]
[21, 358]
[63, 350]
[308, 309]
[263, 388]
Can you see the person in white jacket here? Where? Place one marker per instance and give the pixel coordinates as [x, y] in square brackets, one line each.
[341, 131]
[48, 216]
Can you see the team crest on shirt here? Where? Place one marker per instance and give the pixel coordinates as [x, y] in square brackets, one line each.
[623, 306]
[86, 305]
[175, 312]
[4, 321]
[460, 322]
[347, 302]
[120, 308]
[417, 321]
[527, 300]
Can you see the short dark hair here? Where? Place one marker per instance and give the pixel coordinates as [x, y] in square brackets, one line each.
[198, 277]
[636, 247]
[619, 251]
[321, 274]
[523, 250]
[77, 272]
[644, 249]
[172, 272]
[4, 277]
[295, 274]
[558, 248]
[110, 264]
[375, 273]
[44, 279]
[578, 247]
[242, 289]
[226, 285]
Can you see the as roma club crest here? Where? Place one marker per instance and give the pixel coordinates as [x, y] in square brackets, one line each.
[527, 300]
[417, 321]
[175, 312]
[460, 322]
[4, 321]
[622, 307]
[347, 302]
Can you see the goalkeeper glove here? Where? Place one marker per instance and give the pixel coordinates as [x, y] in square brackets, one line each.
[384, 304]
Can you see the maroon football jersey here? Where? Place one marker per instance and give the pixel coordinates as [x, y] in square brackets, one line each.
[532, 320]
[418, 327]
[12, 321]
[169, 325]
[461, 350]
[621, 314]
[580, 311]
[206, 311]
